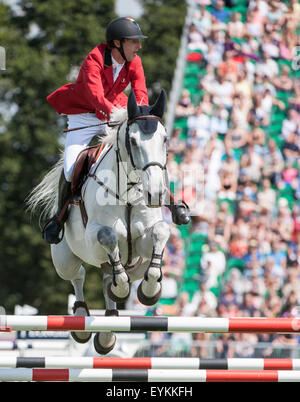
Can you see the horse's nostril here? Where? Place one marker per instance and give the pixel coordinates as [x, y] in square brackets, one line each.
[154, 201]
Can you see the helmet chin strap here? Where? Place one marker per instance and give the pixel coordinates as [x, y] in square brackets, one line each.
[121, 50]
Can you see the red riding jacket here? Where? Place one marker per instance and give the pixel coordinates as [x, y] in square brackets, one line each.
[95, 90]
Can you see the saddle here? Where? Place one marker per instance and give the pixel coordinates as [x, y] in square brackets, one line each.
[83, 164]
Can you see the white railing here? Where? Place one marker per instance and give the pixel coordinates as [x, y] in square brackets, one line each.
[208, 349]
[179, 70]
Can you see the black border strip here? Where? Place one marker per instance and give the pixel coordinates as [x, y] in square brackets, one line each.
[149, 324]
[31, 362]
[215, 364]
[130, 375]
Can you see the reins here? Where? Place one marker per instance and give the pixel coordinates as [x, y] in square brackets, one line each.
[108, 123]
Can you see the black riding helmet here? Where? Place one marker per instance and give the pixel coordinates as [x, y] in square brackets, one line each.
[123, 28]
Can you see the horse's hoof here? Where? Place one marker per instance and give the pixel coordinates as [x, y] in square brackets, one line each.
[102, 350]
[115, 298]
[147, 301]
[84, 337]
[81, 336]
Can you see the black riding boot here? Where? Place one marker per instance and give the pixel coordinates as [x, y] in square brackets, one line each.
[180, 213]
[55, 225]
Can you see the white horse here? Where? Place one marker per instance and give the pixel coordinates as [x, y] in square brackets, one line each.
[125, 233]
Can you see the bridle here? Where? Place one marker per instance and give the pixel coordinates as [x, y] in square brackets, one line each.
[128, 145]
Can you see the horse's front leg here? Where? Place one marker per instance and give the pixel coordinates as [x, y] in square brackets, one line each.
[104, 342]
[149, 290]
[119, 288]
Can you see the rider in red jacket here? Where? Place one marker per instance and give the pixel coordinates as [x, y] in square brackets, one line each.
[95, 90]
[97, 95]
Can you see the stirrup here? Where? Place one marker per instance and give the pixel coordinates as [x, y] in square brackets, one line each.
[174, 208]
[59, 219]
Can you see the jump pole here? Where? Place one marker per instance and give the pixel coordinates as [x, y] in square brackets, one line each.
[145, 324]
[108, 375]
[149, 363]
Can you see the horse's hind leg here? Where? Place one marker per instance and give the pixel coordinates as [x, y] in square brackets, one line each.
[149, 290]
[104, 342]
[68, 267]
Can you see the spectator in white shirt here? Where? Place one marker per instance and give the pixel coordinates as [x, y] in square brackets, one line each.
[218, 123]
[201, 123]
[203, 21]
[196, 39]
[261, 5]
[205, 293]
[236, 27]
[270, 47]
[223, 91]
[290, 124]
[213, 56]
[213, 263]
[267, 67]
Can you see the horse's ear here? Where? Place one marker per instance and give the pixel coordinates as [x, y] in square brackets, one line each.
[159, 107]
[132, 107]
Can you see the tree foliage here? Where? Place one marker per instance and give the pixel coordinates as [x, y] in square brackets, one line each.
[43, 41]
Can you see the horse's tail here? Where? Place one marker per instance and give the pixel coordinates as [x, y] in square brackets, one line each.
[42, 199]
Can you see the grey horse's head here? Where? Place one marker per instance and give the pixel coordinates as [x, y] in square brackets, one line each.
[146, 142]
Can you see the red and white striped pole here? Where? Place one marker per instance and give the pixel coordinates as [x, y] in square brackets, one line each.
[138, 324]
[149, 363]
[108, 375]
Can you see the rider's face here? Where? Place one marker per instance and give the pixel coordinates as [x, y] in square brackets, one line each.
[131, 47]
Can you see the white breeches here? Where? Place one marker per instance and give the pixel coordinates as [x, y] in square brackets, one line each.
[76, 141]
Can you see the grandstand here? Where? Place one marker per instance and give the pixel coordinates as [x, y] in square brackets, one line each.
[237, 120]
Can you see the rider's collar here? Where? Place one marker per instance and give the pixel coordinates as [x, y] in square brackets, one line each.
[107, 57]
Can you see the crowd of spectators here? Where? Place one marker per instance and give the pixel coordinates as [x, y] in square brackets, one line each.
[239, 175]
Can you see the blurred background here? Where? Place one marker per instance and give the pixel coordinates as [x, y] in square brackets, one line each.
[232, 74]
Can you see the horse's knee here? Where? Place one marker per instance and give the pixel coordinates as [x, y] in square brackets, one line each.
[107, 237]
[161, 230]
